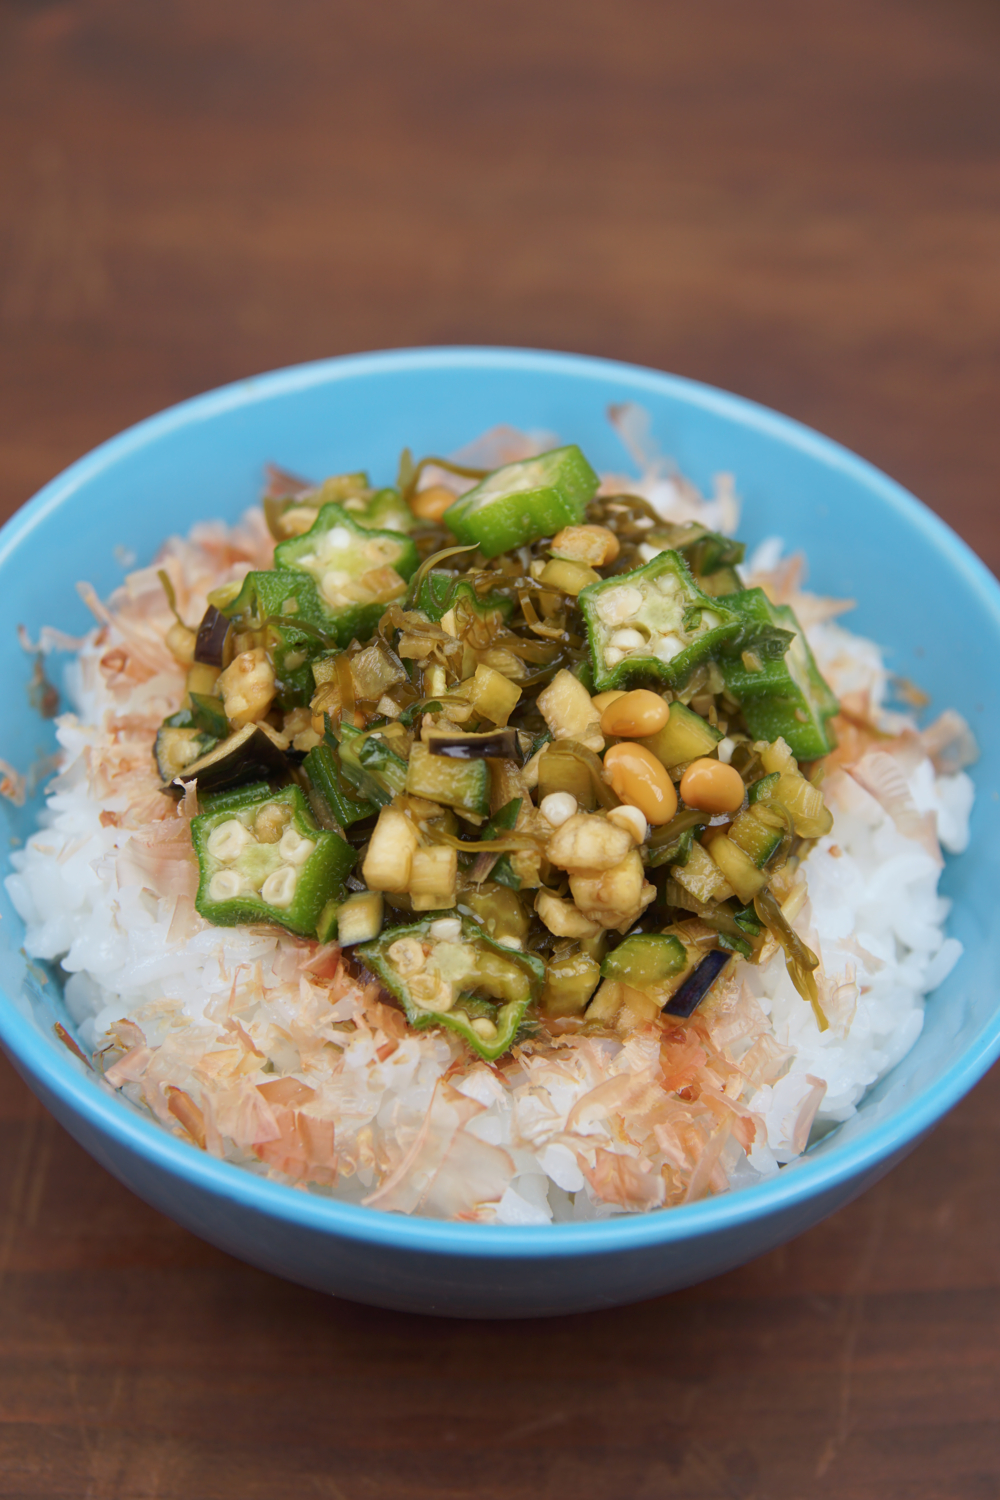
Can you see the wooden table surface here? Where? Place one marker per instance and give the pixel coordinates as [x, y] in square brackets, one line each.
[796, 200]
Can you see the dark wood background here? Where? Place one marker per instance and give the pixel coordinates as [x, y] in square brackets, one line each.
[797, 200]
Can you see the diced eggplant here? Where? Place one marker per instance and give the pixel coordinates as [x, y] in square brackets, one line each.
[500, 744]
[213, 636]
[251, 754]
[176, 749]
[685, 1001]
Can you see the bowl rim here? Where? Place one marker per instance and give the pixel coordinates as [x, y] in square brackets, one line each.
[809, 1177]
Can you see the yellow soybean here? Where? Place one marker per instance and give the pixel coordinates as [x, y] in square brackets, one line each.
[634, 715]
[641, 781]
[712, 787]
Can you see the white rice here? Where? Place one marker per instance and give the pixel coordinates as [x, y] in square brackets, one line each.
[212, 1004]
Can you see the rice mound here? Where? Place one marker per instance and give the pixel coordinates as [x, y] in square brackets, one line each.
[262, 1049]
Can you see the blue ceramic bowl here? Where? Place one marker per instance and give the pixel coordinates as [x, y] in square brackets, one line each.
[921, 592]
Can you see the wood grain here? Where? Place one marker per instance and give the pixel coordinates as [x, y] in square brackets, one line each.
[797, 201]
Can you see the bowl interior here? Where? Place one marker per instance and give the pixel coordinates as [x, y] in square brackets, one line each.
[920, 593]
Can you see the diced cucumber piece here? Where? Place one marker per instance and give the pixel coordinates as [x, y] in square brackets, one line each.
[462, 784]
[523, 501]
[569, 984]
[209, 715]
[371, 766]
[684, 737]
[675, 852]
[498, 909]
[701, 877]
[755, 837]
[559, 770]
[645, 960]
[738, 867]
[763, 789]
[357, 919]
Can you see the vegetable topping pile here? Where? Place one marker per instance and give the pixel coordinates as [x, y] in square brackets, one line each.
[532, 754]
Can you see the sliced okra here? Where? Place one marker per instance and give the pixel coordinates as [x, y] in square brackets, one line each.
[653, 624]
[262, 859]
[445, 971]
[781, 695]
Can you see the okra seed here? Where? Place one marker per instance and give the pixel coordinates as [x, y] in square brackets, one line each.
[484, 1027]
[431, 992]
[618, 605]
[631, 819]
[724, 750]
[667, 647]
[446, 929]
[613, 656]
[279, 887]
[228, 841]
[407, 955]
[381, 551]
[712, 787]
[557, 808]
[294, 849]
[628, 640]
[635, 715]
[333, 585]
[641, 781]
[225, 885]
[271, 822]
[667, 583]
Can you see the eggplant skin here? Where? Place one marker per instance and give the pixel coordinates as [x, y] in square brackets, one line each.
[210, 644]
[251, 754]
[177, 748]
[685, 1001]
[501, 744]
